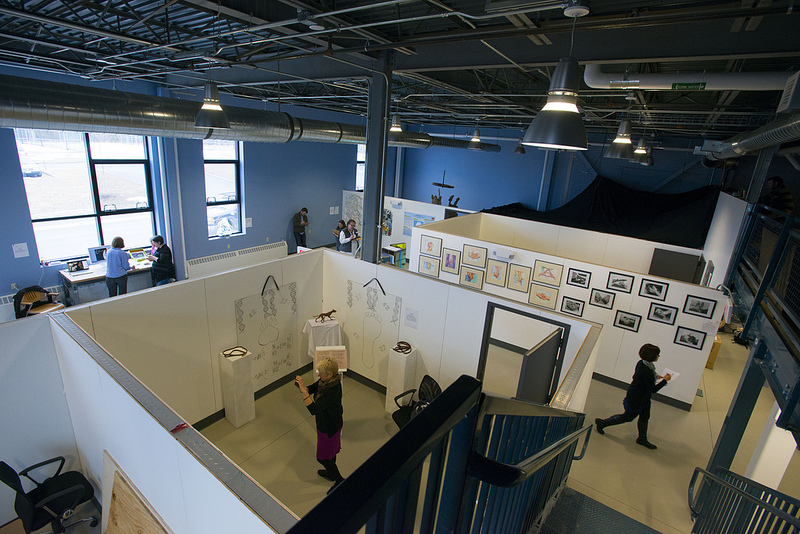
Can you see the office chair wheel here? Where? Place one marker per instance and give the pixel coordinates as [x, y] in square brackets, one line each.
[94, 522]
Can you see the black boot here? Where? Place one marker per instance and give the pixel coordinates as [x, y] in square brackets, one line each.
[611, 421]
[642, 439]
[333, 471]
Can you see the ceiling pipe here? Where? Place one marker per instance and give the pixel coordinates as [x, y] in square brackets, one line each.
[38, 104]
[783, 130]
[595, 78]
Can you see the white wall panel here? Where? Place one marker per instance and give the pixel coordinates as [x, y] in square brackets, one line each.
[722, 235]
[581, 245]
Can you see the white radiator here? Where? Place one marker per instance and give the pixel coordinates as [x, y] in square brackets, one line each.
[226, 261]
[7, 303]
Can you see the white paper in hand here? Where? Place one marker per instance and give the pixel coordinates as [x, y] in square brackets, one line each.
[673, 374]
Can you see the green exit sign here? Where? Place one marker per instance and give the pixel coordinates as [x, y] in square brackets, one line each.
[699, 86]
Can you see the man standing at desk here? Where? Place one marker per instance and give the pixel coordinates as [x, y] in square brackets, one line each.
[163, 269]
[117, 267]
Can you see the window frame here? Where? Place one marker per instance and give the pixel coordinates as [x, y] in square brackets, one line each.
[238, 185]
[98, 209]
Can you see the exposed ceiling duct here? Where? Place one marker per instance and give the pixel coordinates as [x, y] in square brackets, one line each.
[29, 103]
[595, 78]
[784, 130]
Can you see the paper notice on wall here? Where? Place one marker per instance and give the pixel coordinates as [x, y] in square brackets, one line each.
[411, 318]
[20, 250]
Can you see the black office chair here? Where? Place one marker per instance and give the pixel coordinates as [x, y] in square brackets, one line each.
[34, 300]
[428, 390]
[52, 501]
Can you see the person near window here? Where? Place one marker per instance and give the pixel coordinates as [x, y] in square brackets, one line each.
[347, 236]
[163, 269]
[117, 267]
[299, 223]
[338, 230]
[637, 400]
[323, 399]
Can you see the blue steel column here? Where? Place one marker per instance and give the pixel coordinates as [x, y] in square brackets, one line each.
[375, 172]
[741, 408]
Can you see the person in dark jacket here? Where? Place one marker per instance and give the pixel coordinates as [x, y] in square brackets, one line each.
[637, 400]
[163, 269]
[323, 399]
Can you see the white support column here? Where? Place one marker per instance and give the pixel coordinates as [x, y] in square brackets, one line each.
[773, 453]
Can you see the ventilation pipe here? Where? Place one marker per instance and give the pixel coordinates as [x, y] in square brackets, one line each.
[784, 130]
[595, 78]
[37, 104]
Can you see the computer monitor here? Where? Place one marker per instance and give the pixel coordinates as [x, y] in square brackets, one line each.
[97, 254]
[137, 254]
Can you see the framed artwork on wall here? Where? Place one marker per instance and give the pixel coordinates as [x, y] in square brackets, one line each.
[572, 306]
[548, 273]
[690, 338]
[474, 256]
[496, 273]
[432, 246]
[471, 277]
[578, 278]
[627, 320]
[519, 277]
[452, 260]
[429, 266]
[603, 299]
[653, 289]
[620, 282]
[699, 306]
[544, 296]
[661, 313]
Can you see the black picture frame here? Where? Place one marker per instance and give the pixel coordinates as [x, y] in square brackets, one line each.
[572, 306]
[688, 337]
[699, 306]
[653, 289]
[620, 282]
[602, 299]
[627, 321]
[578, 278]
[661, 313]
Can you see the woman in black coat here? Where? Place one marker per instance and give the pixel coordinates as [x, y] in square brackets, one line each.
[637, 400]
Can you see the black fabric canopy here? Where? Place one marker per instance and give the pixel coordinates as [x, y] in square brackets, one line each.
[604, 206]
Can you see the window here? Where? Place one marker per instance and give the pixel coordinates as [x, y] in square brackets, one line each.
[223, 202]
[85, 189]
[361, 163]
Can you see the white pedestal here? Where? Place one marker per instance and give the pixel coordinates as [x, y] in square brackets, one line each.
[324, 334]
[401, 376]
[236, 375]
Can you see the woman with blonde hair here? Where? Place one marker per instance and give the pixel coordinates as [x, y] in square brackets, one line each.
[323, 399]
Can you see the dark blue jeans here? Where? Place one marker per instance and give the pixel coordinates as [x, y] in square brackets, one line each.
[117, 286]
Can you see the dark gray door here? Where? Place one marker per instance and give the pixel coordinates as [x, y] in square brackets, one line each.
[541, 367]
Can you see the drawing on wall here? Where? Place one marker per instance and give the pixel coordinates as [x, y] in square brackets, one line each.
[576, 277]
[474, 256]
[410, 220]
[519, 277]
[372, 327]
[653, 290]
[496, 275]
[699, 306]
[690, 338]
[267, 327]
[352, 202]
[603, 299]
[471, 277]
[661, 313]
[620, 282]
[544, 296]
[431, 246]
[547, 273]
[452, 261]
[572, 306]
[627, 321]
[428, 266]
[386, 222]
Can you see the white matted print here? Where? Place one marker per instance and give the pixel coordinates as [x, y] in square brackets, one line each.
[429, 266]
[572, 306]
[432, 246]
[578, 278]
[496, 273]
[690, 338]
[548, 273]
[544, 296]
[452, 260]
[471, 277]
[519, 277]
[474, 256]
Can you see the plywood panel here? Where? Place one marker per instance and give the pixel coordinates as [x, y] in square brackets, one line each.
[129, 512]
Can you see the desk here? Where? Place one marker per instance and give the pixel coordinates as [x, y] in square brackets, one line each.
[322, 334]
[81, 287]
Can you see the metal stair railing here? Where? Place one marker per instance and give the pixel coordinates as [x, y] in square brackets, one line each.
[731, 503]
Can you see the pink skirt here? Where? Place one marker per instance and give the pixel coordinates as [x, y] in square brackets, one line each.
[328, 447]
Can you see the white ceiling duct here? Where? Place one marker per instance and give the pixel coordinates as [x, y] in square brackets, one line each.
[595, 78]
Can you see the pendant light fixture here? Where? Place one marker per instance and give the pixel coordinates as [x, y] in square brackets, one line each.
[475, 142]
[211, 115]
[640, 154]
[621, 148]
[396, 127]
[520, 149]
